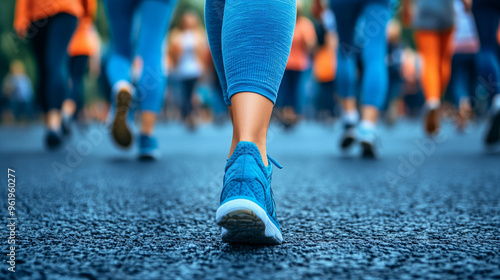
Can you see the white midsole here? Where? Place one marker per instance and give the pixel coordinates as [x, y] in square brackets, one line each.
[245, 204]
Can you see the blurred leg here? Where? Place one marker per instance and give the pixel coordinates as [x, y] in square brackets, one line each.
[187, 95]
[118, 69]
[446, 57]
[61, 29]
[289, 87]
[283, 99]
[428, 45]
[346, 14]
[120, 15]
[375, 77]
[487, 19]
[487, 15]
[459, 81]
[78, 69]
[154, 20]
[39, 43]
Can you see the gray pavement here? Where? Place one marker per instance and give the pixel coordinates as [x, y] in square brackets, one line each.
[427, 209]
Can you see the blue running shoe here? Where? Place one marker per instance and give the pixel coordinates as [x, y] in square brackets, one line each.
[148, 147]
[247, 212]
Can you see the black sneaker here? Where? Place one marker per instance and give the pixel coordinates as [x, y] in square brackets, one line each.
[493, 134]
[349, 136]
[53, 139]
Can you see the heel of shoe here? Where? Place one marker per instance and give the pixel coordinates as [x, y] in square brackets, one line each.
[120, 130]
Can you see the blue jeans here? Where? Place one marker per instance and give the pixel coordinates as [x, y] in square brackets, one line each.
[154, 17]
[78, 67]
[371, 43]
[50, 43]
[187, 86]
[289, 91]
[463, 76]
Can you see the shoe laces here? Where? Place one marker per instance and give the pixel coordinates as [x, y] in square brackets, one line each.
[273, 161]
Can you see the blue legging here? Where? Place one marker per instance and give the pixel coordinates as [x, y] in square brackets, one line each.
[371, 43]
[250, 43]
[487, 15]
[154, 17]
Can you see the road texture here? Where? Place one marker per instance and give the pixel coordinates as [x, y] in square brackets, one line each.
[427, 209]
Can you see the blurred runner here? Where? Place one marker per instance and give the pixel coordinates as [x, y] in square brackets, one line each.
[83, 45]
[17, 86]
[372, 44]
[395, 51]
[433, 22]
[487, 16]
[463, 66]
[304, 40]
[325, 64]
[250, 42]
[49, 25]
[187, 47]
[144, 51]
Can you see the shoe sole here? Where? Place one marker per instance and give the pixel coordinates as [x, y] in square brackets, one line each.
[245, 222]
[368, 150]
[120, 131]
[149, 156]
[493, 135]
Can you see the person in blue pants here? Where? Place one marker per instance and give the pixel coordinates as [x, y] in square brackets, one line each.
[487, 16]
[361, 27]
[144, 50]
[250, 43]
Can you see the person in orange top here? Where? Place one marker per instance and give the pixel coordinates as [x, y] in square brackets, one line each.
[434, 23]
[83, 45]
[304, 40]
[49, 25]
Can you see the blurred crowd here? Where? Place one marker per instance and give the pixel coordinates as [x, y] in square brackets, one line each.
[427, 63]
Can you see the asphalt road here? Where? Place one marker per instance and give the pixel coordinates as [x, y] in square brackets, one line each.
[426, 209]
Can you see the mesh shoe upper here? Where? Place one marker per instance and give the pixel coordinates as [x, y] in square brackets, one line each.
[247, 177]
[147, 143]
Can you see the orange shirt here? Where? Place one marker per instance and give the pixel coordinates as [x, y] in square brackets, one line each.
[303, 37]
[28, 11]
[85, 40]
